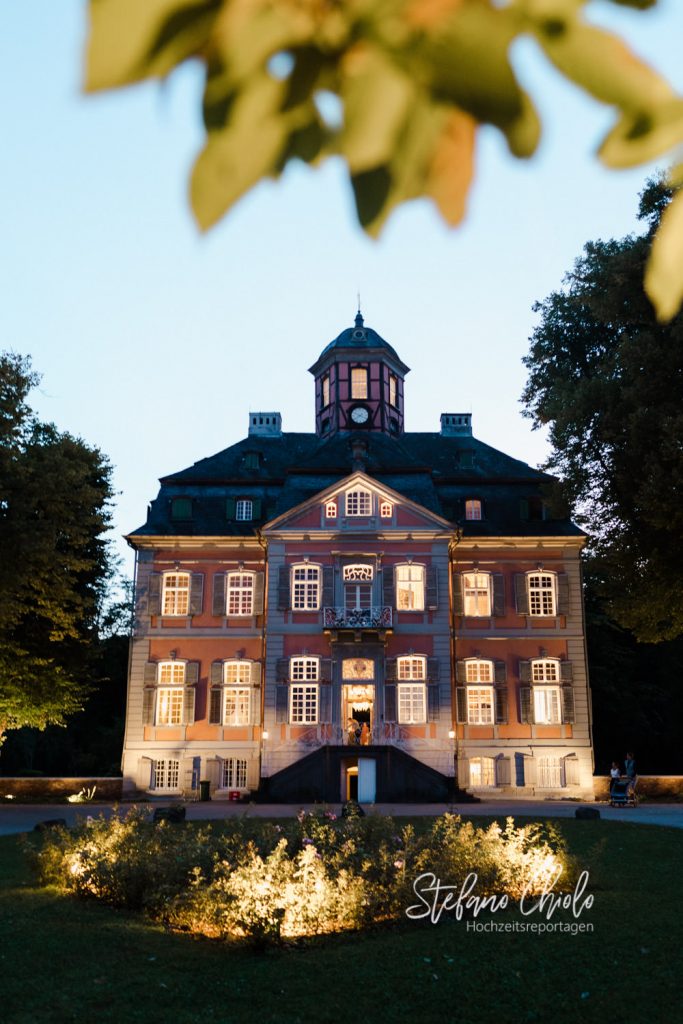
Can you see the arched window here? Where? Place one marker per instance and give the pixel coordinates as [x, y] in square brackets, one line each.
[170, 693]
[477, 593]
[542, 591]
[545, 678]
[237, 692]
[240, 593]
[473, 508]
[359, 502]
[386, 510]
[410, 587]
[330, 510]
[305, 582]
[175, 596]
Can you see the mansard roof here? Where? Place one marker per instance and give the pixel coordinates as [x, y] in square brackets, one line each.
[434, 471]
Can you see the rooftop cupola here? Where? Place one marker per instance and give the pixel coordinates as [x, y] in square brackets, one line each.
[359, 383]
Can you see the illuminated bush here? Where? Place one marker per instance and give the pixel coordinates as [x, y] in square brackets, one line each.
[247, 878]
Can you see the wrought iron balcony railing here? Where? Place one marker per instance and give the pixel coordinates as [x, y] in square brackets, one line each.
[376, 617]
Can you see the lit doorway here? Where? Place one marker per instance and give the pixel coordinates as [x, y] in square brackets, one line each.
[358, 711]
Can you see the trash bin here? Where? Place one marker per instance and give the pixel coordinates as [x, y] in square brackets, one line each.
[204, 790]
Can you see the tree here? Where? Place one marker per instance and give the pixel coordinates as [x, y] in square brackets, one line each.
[55, 494]
[414, 80]
[607, 380]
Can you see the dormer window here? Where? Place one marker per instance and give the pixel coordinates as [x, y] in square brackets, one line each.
[359, 382]
[252, 460]
[386, 510]
[358, 503]
[244, 510]
[473, 508]
[181, 508]
[330, 510]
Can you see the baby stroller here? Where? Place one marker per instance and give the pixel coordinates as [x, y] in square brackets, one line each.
[622, 794]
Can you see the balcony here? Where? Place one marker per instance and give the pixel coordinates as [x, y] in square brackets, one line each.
[375, 617]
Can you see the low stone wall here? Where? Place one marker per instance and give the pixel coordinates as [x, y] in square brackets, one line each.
[654, 787]
[42, 788]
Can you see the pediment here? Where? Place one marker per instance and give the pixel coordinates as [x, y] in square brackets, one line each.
[361, 502]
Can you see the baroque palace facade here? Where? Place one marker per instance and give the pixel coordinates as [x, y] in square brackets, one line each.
[358, 612]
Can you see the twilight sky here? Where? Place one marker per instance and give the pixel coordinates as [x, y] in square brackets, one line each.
[155, 342]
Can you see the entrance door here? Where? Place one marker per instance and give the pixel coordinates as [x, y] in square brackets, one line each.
[358, 708]
[367, 780]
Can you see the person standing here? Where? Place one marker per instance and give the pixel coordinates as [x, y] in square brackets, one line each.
[631, 773]
[614, 775]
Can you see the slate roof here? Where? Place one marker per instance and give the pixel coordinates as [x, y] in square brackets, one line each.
[437, 472]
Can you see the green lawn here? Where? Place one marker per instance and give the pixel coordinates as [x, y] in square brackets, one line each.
[64, 960]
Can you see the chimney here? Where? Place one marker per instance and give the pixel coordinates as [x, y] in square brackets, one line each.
[456, 424]
[265, 424]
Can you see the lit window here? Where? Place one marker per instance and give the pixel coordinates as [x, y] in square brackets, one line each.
[410, 588]
[549, 773]
[303, 708]
[541, 588]
[326, 391]
[330, 510]
[480, 705]
[243, 510]
[477, 593]
[392, 390]
[175, 598]
[411, 704]
[236, 705]
[234, 773]
[240, 593]
[358, 503]
[386, 510]
[473, 509]
[482, 771]
[359, 383]
[546, 705]
[478, 671]
[305, 587]
[304, 668]
[545, 670]
[169, 695]
[412, 667]
[166, 775]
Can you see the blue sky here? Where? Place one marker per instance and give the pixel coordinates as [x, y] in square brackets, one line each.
[155, 342]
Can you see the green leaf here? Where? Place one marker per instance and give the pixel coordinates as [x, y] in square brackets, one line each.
[639, 138]
[237, 156]
[130, 40]
[464, 61]
[664, 271]
[603, 65]
[377, 97]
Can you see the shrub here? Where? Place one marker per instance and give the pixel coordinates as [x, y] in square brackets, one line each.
[261, 881]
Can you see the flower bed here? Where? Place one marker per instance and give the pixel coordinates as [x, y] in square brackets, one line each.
[253, 879]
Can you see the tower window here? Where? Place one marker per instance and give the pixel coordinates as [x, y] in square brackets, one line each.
[359, 382]
[393, 390]
[326, 391]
